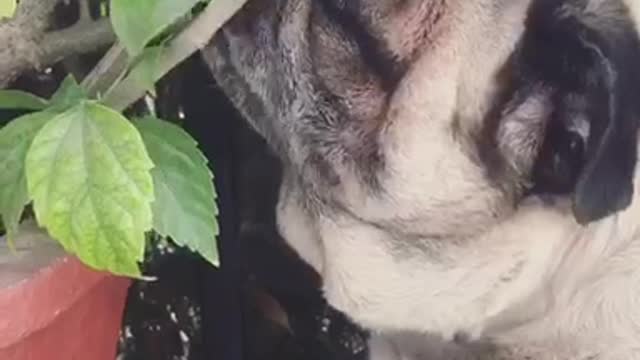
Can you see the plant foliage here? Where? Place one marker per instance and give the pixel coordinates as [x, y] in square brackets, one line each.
[98, 182]
[183, 208]
[138, 22]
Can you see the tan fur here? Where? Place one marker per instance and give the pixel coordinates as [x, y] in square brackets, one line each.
[442, 253]
[571, 291]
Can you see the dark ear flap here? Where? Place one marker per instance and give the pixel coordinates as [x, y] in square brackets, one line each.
[593, 54]
[605, 184]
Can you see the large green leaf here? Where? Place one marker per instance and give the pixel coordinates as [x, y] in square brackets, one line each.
[184, 207]
[137, 22]
[88, 174]
[15, 140]
[16, 99]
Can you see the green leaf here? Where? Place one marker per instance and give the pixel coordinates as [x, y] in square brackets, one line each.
[15, 140]
[16, 99]
[7, 8]
[138, 22]
[69, 93]
[88, 174]
[184, 207]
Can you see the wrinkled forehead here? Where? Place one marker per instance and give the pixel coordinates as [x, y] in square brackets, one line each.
[363, 48]
[402, 27]
[396, 31]
[372, 60]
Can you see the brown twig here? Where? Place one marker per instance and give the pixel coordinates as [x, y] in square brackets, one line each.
[30, 47]
[79, 38]
[26, 43]
[34, 15]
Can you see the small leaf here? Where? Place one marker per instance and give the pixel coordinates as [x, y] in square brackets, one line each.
[15, 140]
[138, 22]
[69, 93]
[184, 206]
[88, 174]
[7, 8]
[16, 99]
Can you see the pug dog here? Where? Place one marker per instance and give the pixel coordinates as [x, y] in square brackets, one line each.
[461, 173]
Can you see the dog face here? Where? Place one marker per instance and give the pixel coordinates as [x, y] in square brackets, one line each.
[378, 107]
[411, 130]
[380, 101]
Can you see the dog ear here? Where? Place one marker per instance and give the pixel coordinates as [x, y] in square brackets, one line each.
[596, 59]
[605, 184]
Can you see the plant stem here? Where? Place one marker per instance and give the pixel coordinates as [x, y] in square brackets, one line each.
[193, 38]
[107, 71]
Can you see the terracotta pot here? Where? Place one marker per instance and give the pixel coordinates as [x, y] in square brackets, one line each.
[52, 307]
